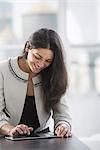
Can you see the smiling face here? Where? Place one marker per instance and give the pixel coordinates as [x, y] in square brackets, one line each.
[39, 59]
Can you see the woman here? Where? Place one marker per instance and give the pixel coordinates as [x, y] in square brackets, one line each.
[32, 88]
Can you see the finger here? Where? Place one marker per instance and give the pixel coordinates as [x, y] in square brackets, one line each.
[14, 132]
[64, 132]
[31, 129]
[28, 129]
[19, 130]
[25, 129]
[58, 129]
[61, 129]
[68, 134]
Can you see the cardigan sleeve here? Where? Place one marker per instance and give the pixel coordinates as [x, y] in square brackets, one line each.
[3, 118]
[61, 113]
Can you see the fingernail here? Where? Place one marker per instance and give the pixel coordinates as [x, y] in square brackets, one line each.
[62, 136]
[21, 132]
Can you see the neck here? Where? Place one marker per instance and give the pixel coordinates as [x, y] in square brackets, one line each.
[23, 64]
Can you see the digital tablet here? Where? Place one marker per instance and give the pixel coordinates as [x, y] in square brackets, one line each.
[32, 136]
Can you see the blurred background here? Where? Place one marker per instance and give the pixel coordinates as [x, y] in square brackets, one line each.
[78, 24]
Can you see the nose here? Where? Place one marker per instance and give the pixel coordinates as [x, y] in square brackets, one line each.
[41, 64]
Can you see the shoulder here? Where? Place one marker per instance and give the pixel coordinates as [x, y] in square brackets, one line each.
[4, 64]
[3, 68]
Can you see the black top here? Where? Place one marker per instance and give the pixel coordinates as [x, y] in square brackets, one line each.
[29, 115]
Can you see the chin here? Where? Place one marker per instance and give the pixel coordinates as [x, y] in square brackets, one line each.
[33, 71]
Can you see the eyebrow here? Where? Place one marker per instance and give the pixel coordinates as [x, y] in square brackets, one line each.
[41, 56]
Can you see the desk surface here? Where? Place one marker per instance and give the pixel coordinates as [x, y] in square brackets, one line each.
[44, 144]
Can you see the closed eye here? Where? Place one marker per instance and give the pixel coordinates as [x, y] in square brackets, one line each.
[49, 61]
[37, 57]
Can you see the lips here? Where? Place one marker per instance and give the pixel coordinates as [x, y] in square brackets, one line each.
[35, 69]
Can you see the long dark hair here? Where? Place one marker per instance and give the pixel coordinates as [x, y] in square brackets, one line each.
[54, 78]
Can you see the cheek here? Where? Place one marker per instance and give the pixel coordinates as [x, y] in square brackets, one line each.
[46, 65]
[30, 58]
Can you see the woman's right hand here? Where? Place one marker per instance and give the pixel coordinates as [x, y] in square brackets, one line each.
[20, 130]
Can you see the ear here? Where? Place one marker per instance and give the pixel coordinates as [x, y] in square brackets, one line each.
[26, 49]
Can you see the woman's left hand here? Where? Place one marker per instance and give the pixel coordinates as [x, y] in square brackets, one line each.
[63, 130]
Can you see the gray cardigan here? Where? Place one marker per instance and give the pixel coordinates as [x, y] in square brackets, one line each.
[13, 87]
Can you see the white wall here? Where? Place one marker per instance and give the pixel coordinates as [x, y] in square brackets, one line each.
[82, 21]
[82, 33]
[85, 112]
